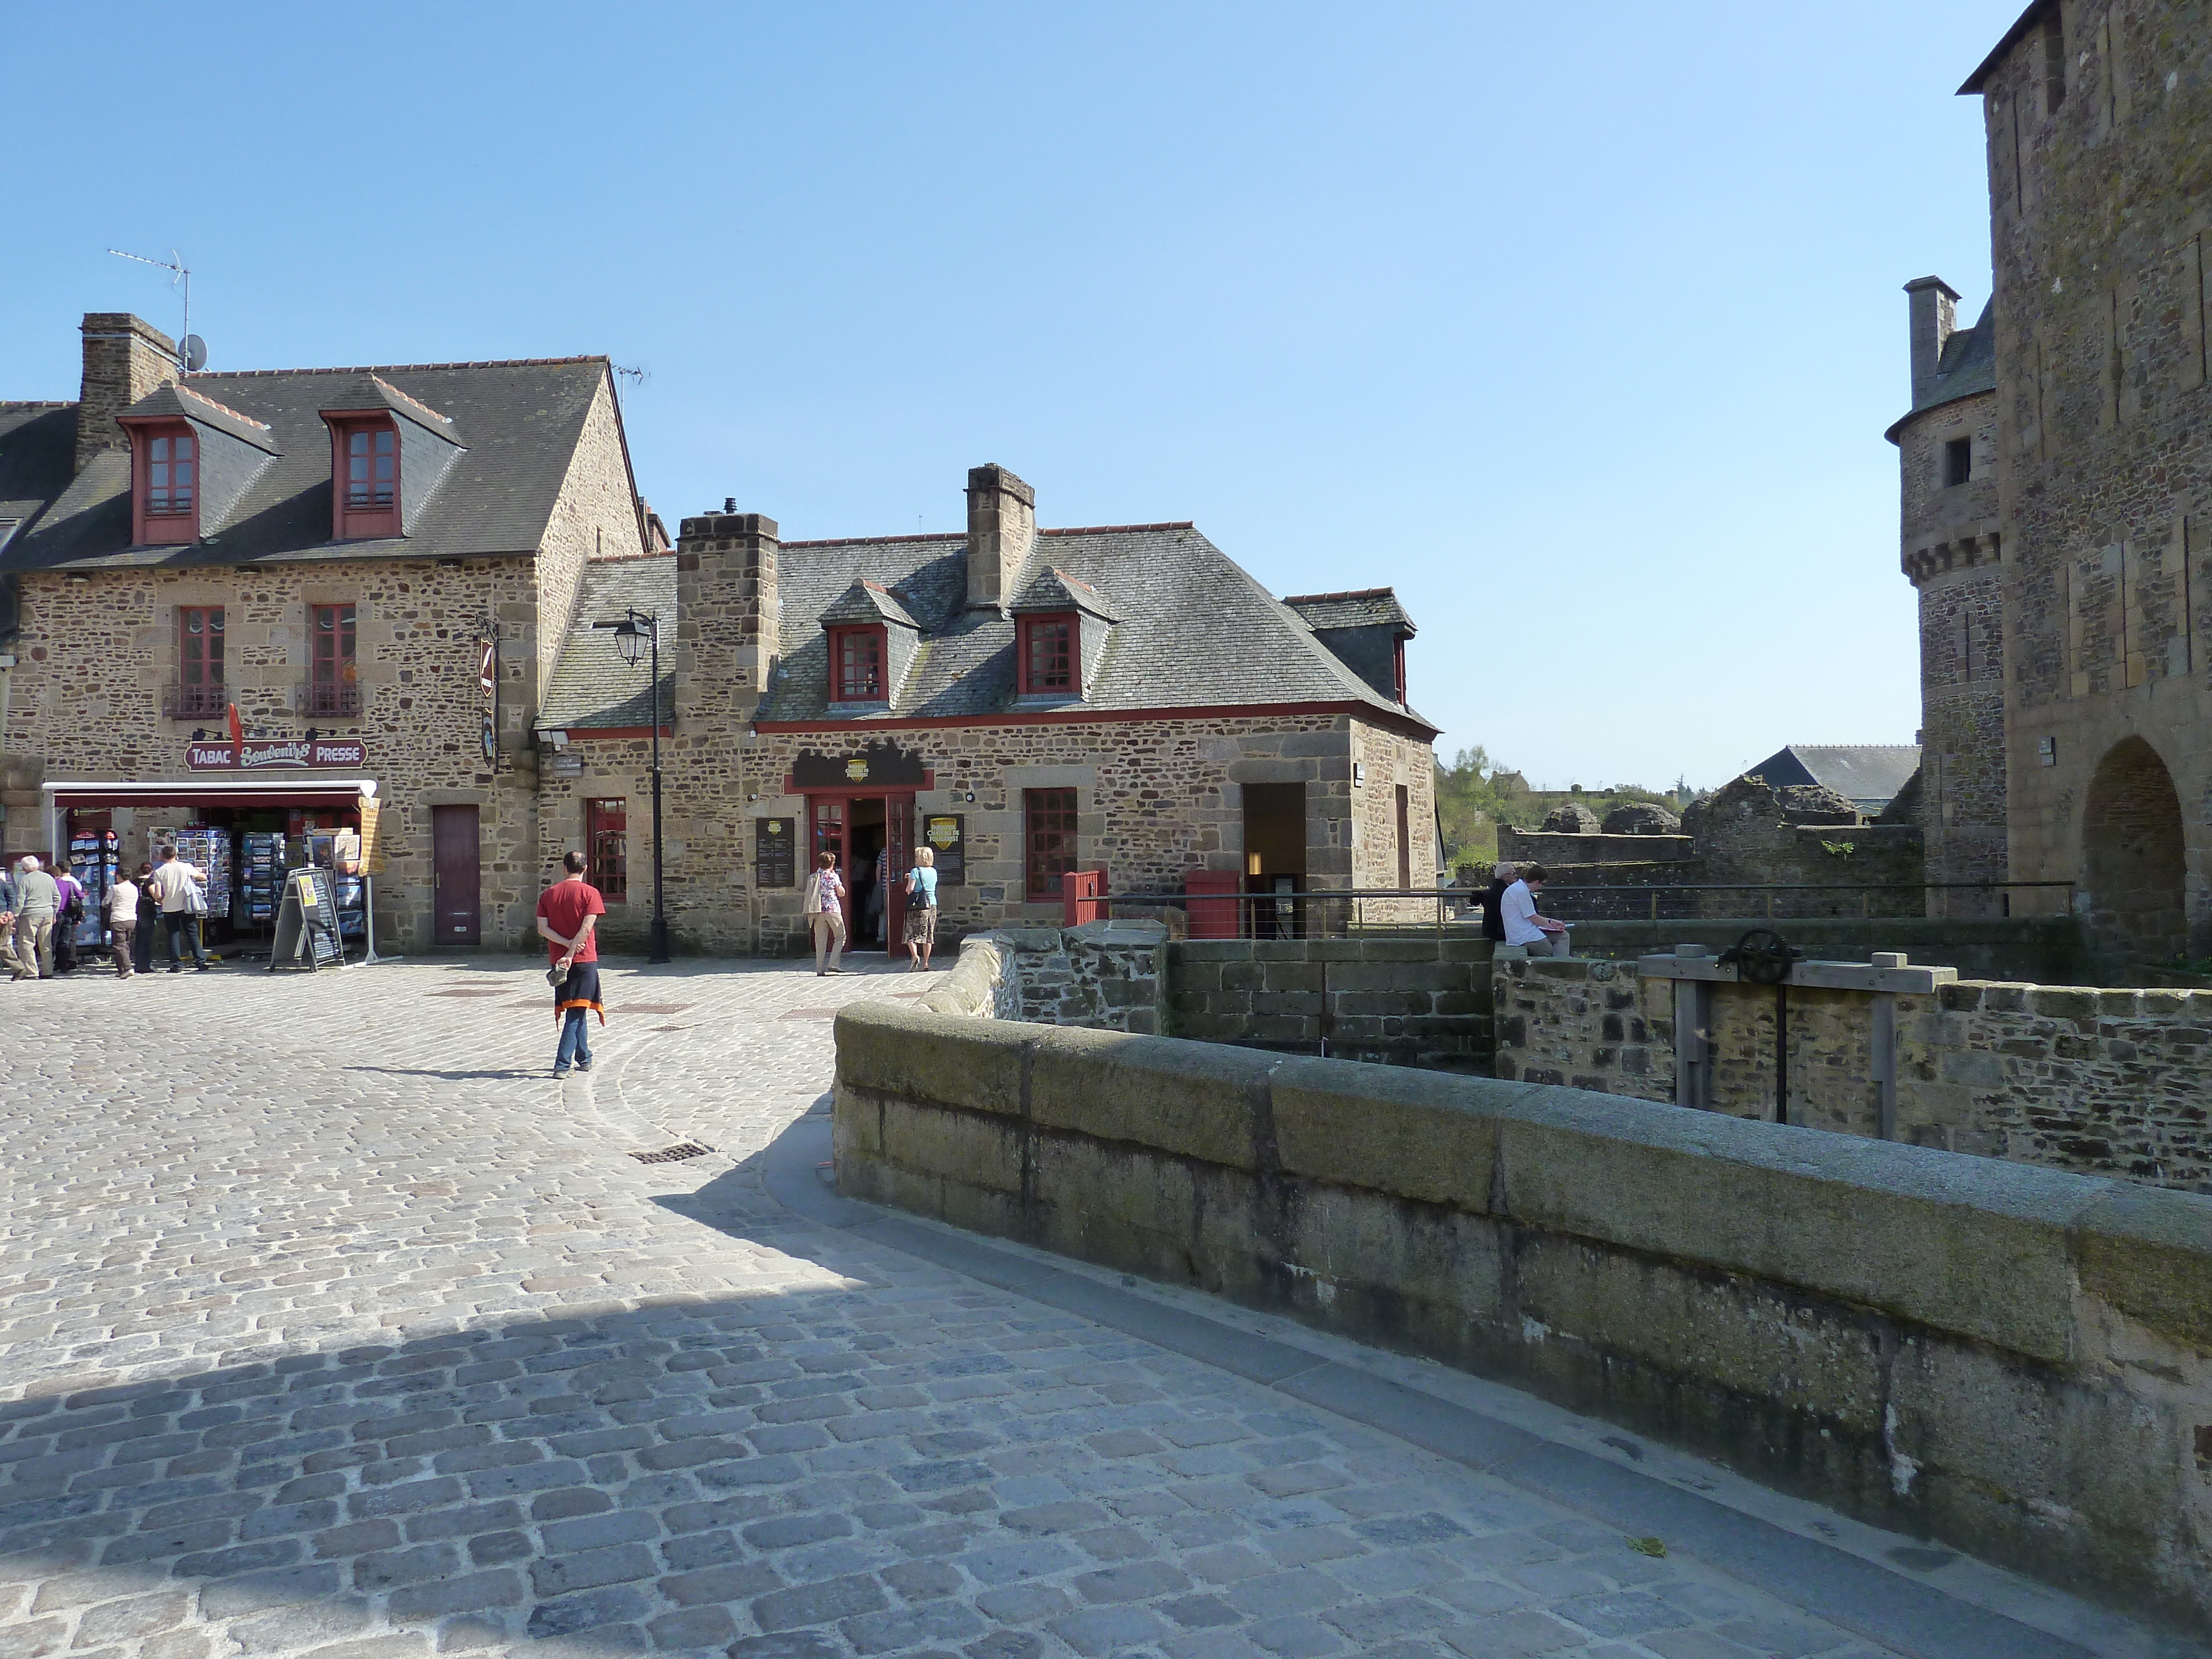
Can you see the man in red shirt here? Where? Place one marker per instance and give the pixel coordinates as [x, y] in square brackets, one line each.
[568, 915]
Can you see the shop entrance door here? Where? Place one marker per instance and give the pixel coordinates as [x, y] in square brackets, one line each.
[855, 829]
[459, 909]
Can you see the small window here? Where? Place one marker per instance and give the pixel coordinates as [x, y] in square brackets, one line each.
[1048, 832]
[1398, 670]
[372, 468]
[332, 686]
[606, 839]
[1405, 838]
[169, 475]
[1957, 462]
[1049, 655]
[856, 668]
[199, 660]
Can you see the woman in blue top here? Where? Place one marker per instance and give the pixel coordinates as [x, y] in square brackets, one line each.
[921, 910]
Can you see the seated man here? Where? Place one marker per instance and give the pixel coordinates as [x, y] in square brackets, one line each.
[1545, 936]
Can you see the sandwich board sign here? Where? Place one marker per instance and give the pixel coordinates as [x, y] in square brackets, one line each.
[308, 923]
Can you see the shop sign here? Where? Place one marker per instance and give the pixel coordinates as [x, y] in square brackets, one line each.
[946, 833]
[882, 762]
[262, 755]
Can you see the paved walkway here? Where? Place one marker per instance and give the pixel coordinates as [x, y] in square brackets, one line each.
[330, 1323]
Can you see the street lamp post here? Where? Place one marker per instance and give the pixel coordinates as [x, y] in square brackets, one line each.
[634, 630]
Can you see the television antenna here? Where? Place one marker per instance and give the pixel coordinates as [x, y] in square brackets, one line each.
[191, 350]
[636, 377]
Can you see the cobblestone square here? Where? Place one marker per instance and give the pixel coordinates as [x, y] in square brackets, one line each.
[330, 1323]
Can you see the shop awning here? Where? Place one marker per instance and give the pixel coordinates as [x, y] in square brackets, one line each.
[267, 790]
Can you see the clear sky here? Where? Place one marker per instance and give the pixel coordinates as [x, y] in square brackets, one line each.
[1579, 324]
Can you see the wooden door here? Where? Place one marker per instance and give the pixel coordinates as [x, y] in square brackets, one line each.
[459, 909]
[898, 841]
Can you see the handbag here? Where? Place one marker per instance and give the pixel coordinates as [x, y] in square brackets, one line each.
[195, 898]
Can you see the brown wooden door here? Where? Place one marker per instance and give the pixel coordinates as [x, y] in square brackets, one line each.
[827, 815]
[459, 908]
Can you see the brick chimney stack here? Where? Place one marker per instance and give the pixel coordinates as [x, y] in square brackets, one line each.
[1001, 530]
[125, 357]
[1935, 314]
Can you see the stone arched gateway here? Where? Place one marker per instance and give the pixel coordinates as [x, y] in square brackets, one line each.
[2133, 862]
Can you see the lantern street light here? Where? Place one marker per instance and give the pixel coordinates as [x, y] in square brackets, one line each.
[634, 634]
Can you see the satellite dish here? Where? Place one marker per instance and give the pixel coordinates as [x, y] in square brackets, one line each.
[195, 353]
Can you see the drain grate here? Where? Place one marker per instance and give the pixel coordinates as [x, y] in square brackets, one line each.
[673, 1154]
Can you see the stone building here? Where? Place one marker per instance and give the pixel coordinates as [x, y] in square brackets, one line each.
[369, 566]
[2054, 501]
[1026, 700]
[256, 599]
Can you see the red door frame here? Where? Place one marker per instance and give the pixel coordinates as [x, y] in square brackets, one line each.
[898, 840]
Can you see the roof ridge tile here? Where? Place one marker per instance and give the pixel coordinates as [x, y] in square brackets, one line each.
[394, 368]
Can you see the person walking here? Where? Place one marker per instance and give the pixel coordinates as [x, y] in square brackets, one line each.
[9, 963]
[37, 900]
[823, 907]
[568, 915]
[122, 921]
[921, 910]
[149, 922]
[177, 887]
[69, 916]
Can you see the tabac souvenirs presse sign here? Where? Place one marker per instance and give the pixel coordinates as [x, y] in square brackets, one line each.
[277, 753]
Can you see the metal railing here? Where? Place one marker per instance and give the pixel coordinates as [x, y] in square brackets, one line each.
[194, 702]
[330, 698]
[1321, 913]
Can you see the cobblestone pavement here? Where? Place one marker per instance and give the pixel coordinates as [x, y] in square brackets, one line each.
[330, 1323]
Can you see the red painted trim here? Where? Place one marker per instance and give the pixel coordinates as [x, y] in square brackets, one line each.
[841, 632]
[576, 732]
[1368, 712]
[1024, 652]
[167, 529]
[360, 524]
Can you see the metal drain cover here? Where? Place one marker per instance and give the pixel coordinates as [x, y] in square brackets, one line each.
[673, 1154]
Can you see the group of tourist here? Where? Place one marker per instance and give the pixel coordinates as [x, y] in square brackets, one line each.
[41, 911]
[1509, 911]
[823, 907]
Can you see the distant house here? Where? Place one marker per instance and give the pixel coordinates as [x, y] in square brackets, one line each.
[1868, 774]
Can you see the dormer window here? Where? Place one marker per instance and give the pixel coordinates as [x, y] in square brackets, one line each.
[1398, 667]
[366, 479]
[169, 469]
[856, 665]
[1048, 649]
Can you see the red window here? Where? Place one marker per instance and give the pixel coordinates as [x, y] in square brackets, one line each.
[332, 688]
[1049, 655]
[856, 665]
[199, 660]
[372, 476]
[606, 839]
[1048, 833]
[170, 475]
[1398, 669]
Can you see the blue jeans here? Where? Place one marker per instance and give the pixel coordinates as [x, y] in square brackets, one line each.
[575, 1044]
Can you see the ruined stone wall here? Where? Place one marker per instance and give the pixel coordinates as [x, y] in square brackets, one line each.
[1410, 1000]
[1106, 975]
[2102, 1082]
[2099, 129]
[98, 652]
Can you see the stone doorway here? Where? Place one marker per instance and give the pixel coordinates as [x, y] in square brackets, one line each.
[2133, 863]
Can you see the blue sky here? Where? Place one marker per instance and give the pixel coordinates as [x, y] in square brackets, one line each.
[1580, 326]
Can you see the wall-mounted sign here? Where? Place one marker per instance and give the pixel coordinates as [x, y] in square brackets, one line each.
[565, 766]
[257, 753]
[881, 763]
[946, 833]
[776, 852]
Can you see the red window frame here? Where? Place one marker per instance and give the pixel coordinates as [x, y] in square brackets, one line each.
[606, 849]
[164, 494]
[199, 660]
[332, 643]
[1047, 841]
[1050, 645]
[1398, 668]
[859, 664]
[365, 478]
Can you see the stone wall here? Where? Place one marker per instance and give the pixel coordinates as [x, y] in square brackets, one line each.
[2015, 1360]
[2046, 950]
[1410, 1000]
[2099, 1082]
[1106, 975]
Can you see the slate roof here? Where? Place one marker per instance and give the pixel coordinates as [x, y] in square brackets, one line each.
[1868, 774]
[1053, 589]
[1195, 629]
[519, 424]
[38, 448]
[1366, 607]
[593, 687]
[866, 602]
[1968, 365]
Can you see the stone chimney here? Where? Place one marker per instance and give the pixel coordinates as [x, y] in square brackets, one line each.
[1001, 530]
[727, 618]
[1935, 314]
[125, 357]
